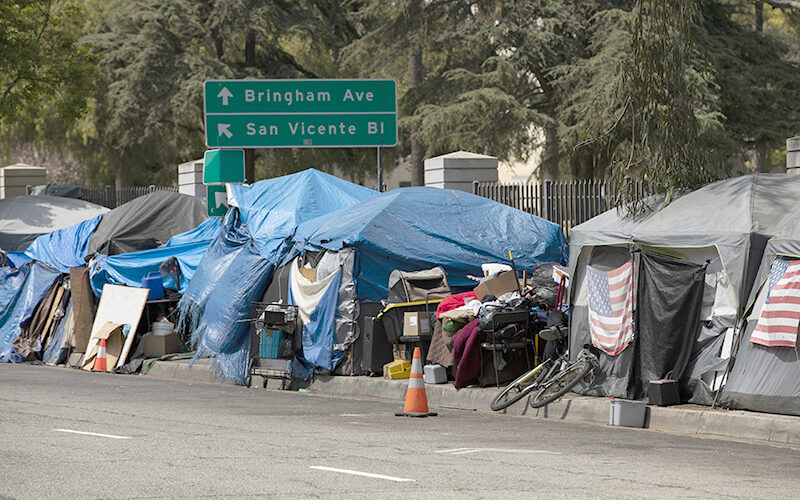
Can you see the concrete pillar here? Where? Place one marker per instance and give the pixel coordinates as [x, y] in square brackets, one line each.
[190, 178]
[15, 179]
[459, 170]
[793, 155]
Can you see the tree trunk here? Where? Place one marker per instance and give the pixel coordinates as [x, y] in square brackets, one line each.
[759, 16]
[549, 167]
[758, 157]
[250, 61]
[417, 148]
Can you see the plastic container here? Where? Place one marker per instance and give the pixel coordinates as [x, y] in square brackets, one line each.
[434, 374]
[626, 413]
[155, 283]
[162, 328]
[397, 369]
[270, 344]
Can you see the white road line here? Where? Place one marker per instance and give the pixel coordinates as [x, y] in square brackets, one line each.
[92, 434]
[365, 474]
[465, 451]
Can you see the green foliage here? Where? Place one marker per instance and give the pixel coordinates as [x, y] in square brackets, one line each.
[41, 59]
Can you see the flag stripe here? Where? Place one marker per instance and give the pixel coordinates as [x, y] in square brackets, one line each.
[611, 299]
[780, 315]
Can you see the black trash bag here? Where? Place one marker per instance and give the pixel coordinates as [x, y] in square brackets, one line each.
[544, 286]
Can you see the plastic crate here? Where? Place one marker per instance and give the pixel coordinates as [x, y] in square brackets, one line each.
[269, 345]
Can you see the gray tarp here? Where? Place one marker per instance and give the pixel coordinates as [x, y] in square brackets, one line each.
[23, 218]
[148, 221]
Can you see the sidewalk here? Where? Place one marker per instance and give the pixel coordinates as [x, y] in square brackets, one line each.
[684, 419]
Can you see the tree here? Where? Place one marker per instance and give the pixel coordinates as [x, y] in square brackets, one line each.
[41, 59]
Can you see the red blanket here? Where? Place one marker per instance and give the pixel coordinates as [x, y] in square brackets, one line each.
[467, 350]
[454, 302]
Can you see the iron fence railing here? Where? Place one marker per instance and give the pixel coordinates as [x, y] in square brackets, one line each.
[111, 197]
[567, 203]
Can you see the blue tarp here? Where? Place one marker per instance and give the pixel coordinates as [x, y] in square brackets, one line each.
[16, 259]
[237, 267]
[129, 268]
[421, 227]
[64, 248]
[319, 334]
[273, 208]
[21, 290]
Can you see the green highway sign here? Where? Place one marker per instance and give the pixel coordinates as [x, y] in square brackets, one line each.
[217, 200]
[300, 113]
[223, 165]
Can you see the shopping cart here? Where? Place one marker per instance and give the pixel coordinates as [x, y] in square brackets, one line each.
[271, 346]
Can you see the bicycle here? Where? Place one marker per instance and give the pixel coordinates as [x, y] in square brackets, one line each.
[552, 388]
[533, 379]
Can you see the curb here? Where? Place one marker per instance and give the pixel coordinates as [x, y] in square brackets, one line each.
[683, 419]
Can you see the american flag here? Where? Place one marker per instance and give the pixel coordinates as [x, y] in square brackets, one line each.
[780, 315]
[611, 302]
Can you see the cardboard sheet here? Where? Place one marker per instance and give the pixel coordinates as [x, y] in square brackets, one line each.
[83, 304]
[112, 333]
[121, 305]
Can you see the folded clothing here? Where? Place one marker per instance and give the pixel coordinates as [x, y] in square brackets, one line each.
[454, 302]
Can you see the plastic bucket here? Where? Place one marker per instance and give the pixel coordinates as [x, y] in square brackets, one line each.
[626, 413]
[162, 328]
[155, 283]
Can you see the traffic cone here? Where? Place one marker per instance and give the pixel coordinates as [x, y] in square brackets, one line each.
[416, 400]
[100, 359]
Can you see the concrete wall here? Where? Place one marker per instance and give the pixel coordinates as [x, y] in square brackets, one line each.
[190, 178]
[459, 170]
[15, 179]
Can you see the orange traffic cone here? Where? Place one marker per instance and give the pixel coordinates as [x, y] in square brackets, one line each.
[100, 359]
[416, 400]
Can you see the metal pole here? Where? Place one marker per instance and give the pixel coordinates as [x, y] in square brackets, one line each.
[380, 170]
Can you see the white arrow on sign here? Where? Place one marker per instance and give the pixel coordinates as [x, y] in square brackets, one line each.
[222, 128]
[220, 199]
[225, 94]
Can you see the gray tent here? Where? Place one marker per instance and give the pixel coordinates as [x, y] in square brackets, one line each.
[148, 221]
[23, 218]
[767, 378]
[723, 226]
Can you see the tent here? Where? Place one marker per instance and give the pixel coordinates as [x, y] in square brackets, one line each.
[148, 221]
[718, 233]
[767, 377]
[238, 265]
[130, 268]
[64, 248]
[408, 229]
[23, 218]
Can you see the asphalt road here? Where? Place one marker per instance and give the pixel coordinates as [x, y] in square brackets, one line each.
[170, 439]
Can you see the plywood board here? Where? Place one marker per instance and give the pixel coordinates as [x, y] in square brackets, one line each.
[122, 305]
[82, 305]
[53, 310]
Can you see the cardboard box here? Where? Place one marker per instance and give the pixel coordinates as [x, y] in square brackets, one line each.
[416, 323]
[498, 285]
[159, 345]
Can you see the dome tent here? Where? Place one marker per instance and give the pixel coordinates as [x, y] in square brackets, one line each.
[725, 224]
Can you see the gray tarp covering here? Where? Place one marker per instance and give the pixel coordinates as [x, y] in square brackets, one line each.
[727, 222]
[766, 378]
[148, 221]
[23, 218]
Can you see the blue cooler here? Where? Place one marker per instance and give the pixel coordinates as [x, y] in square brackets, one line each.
[155, 283]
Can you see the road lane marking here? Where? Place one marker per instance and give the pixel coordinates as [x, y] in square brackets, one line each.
[465, 451]
[92, 434]
[365, 474]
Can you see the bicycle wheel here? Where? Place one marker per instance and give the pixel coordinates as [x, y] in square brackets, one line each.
[560, 384]
[519, 388]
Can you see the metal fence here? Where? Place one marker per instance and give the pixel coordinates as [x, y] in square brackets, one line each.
[567, 203]
[110, 197]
